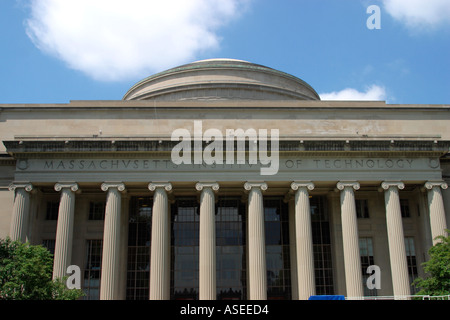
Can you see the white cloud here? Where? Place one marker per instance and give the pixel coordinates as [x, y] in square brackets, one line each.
[373, 93]
[419, 13]
[120, 39]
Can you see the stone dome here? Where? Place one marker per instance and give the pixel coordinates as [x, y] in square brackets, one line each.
[221, 79]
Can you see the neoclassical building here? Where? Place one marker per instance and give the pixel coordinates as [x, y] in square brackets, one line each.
[356, 184]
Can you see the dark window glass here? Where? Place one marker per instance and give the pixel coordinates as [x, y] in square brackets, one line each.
[230, 249]
[92, 270]
[322, 246]
[52, 210]
[367, 259]
[184, 241]
[139, 238]
[411, 260]
[49, 244]
[362, 209]
[97, 210]
[404, 207]
[277, 248]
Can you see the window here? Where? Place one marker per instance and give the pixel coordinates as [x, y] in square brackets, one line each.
[92, 270]
[277, 249]
[404, 207]
[411, 260]
[230, 249]
[52, 210]
[139, 238]
[97, 211]
[323, 265]
[362, 209]
[184, 242]
[49, 244]
[366, 253]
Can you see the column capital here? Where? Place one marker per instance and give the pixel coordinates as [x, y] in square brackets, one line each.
[199, 186]
[21, 185]
[255, 184]
[118, 185]
[152, 186]
[385, 185]
[351, 184]
[295, 185]
[431, 184]
[71, 185]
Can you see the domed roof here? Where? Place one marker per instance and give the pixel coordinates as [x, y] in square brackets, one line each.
[221, 79]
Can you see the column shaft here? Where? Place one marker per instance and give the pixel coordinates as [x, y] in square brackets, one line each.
[64, 231]
[111, 245]
[21, 209]
[256, 242]
[438, 222]
[160, 243]
[304, 242]
[292, 247]
[207, 243]
[397, 251]
[350, 239]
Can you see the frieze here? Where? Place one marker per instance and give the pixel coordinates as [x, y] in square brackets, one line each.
[286, 164]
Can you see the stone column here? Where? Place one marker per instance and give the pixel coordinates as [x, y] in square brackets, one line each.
[256, 241]
[111, 236]
[396, 238]
[350, 239]
[289, 198]
[304, 240]
[64, 230]
[160, 242]
[21, 211]
[438, 222]
[207, 243]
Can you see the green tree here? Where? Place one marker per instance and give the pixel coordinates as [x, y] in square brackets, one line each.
[438, 269]
[26, 274]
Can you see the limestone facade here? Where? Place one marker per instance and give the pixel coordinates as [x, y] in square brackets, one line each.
[382, 158]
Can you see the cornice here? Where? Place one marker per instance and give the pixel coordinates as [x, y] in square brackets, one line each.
[141, 148]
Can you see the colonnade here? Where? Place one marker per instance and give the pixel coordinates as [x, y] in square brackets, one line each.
[257, 278]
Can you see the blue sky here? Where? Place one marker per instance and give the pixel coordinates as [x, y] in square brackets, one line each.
[55, 51]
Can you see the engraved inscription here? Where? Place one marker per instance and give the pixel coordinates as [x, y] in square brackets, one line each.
[332, 164]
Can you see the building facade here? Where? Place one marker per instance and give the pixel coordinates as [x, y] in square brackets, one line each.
[145, 198]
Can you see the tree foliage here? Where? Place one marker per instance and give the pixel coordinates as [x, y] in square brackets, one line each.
[26, 274]
[438, 269]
